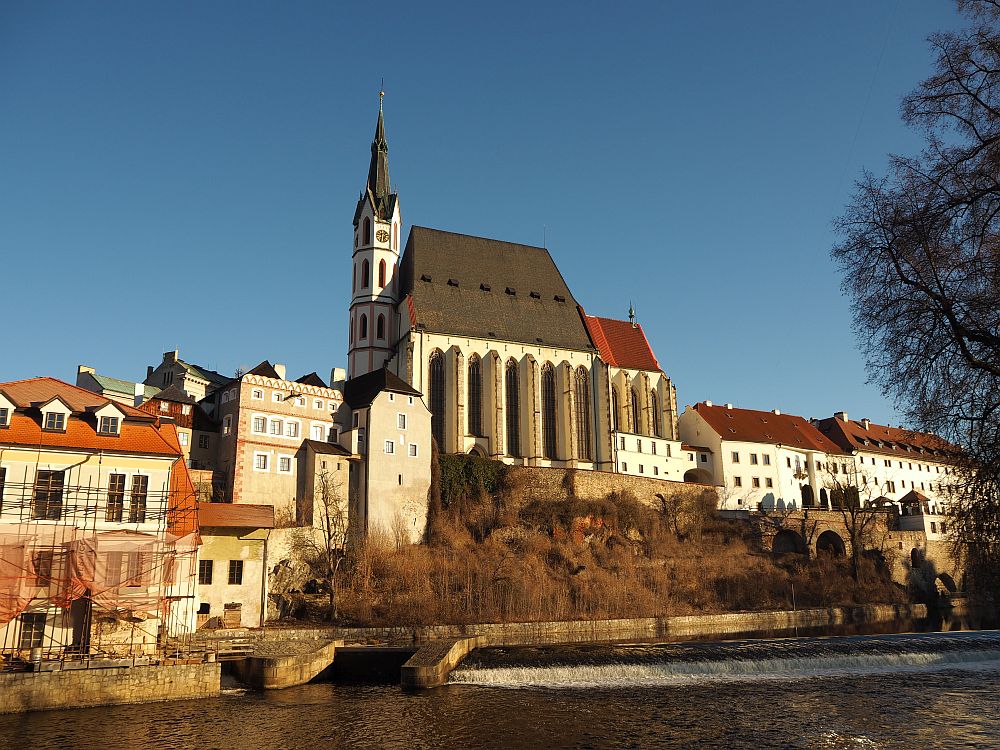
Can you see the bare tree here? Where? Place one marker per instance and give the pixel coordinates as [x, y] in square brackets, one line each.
[862, 509]
[324, 546]
[920, 253]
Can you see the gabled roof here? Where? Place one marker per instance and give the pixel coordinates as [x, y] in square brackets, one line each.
[236, 515]
[751, 426]
[125, 387]
[265, 370]
[489, 289]
[620, 343]
[362, 390]
[25, 393]
[853, 435]
[312, 379]
[329, 449]
[174, 394]
[213, 377]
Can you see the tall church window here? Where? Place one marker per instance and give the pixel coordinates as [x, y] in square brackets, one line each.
[394, 277]
[581, 397]
[636, 413]
[475, 395]
[654, 409]
[395, 236]
[436, 382]
[363, 333]
[351, 332]
[380, 327]
[513, 410]
[364, 274]
[615, 407]
[367, 232]
[381, 273]
[548, 411]
[354, 279]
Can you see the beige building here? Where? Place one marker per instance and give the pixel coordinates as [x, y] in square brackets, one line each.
[197, 382]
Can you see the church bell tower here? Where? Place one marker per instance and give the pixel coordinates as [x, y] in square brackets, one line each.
[375, 264]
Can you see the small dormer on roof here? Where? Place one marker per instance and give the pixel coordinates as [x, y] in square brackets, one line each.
[55, 414]
[109, 418]
[7, 407]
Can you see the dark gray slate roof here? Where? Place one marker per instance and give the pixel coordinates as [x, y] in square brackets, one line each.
[329, 449]
[362, 390]
[489, 289]
[311, 379]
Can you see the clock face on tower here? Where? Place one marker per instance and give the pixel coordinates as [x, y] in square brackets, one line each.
[382, 235]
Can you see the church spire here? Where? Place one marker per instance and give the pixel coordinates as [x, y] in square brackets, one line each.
[378, 168]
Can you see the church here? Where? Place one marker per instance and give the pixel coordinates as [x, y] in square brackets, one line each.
[506, 358]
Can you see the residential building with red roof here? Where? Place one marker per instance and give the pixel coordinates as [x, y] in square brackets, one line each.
[95, 498]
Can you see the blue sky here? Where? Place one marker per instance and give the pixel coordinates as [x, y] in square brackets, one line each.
[184, 175]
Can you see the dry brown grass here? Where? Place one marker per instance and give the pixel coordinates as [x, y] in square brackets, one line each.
[493, 560]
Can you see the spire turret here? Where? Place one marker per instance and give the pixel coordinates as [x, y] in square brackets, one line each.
[379, 186]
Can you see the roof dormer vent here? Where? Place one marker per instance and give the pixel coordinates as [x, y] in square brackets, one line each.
[425, 277]
[485, 287]
[729, 406]
[535, 295]
[559, 298]
[776, 412]
[452, 282]
[866, 423]
[708, 403]
[511, 291]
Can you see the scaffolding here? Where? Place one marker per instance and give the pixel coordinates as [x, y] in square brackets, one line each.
[95, 568]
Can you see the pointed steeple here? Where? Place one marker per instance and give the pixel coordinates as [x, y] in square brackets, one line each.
[378, 169]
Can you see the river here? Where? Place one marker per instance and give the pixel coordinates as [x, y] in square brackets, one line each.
[929, 690]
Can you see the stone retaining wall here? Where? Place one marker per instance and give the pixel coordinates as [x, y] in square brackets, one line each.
[78, 688]
[558, 484]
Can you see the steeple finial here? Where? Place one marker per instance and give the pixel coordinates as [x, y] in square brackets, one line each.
[631, 313]
[378, 168]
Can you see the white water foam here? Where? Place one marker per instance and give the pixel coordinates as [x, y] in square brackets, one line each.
[690, 672]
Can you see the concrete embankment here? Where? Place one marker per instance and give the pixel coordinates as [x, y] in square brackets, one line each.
[80, 688]
[286, 670]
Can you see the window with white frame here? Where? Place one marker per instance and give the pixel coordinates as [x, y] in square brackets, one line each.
[277, 427]
[333, 435]
[318, 404]
[257, 394]
[260, 425]
[260, 461]
[55, 420]
[401, 421]
[736, 457]
[227, 424]
[413, 450]
[300, 401]
[276, 396]
[284, 464]
[292, 429]
[109, 426]
[4, 416]
[316, 432]
[183, 438]
[411, 400]
[390, 446]
[164, 406]
[333, 406]
[766, 458]
[225, 399]
[186, 409]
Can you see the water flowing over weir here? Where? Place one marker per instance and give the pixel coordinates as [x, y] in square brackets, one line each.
[778, 659]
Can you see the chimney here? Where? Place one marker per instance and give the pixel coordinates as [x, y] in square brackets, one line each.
[337, 377]
[149, 372]
[80, 369]
[139, 393]
[280, 369]
[708, 403]
[776, 412]
[867, 423]
[841, 415]
[729, 406]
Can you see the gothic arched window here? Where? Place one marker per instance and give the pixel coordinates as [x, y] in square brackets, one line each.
[394, 277]
[395, 236]
[354, 279]
[381, 273]
[581, 397]
[350, 334]
[435, 381]
[513, 410]
[548, 411]
[655, 413]
[364, 274]
[475, 395]
[363, 333]
[380, 327]
[367, 232]
[615, 408]
[636, 413]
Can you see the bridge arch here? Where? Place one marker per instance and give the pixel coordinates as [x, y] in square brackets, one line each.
[787, 541]
[700, 476]
[830, 543]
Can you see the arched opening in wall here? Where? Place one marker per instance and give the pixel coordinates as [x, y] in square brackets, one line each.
[615, 408]
[380, 327]
[475, 396]
[513, 409]
[916, 558]
[366, 232]
[363, 333]
[477, 451]
[548, 411]
[787, 542]
[808, 498]
[824, 499]
[830, 544]
[636, 413]
[581, 401]
[381, 273]
[947, 583]
[697, 476]
[654, 407]
[435, 381]
[364, 274]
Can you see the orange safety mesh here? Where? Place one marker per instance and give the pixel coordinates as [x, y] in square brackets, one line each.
[17, 574]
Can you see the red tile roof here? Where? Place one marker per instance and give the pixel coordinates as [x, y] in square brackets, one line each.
[140, 433]
[236, 515]
[852, 435]
[750, 426]
[619, 343]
